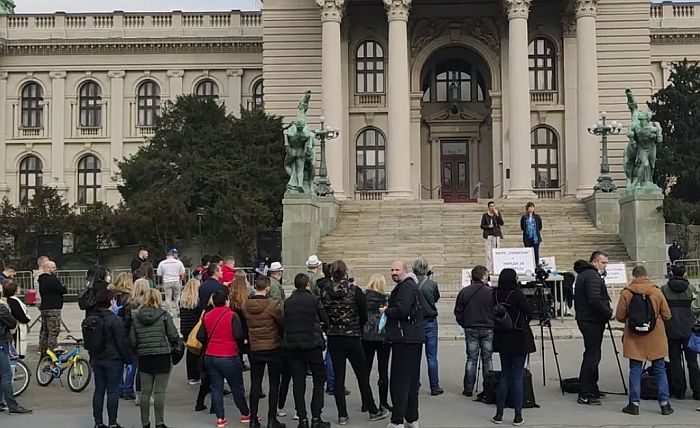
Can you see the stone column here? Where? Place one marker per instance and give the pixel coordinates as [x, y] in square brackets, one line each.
[331, 74]
[4, 187]
[587, 96]
[57, 128]
[234, 90]
[175, 83]
[519, 99]
[398, 153]
[116, 117]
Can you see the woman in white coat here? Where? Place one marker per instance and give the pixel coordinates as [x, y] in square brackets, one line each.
[19, 312]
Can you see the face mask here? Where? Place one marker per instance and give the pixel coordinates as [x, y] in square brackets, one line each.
[108, 278]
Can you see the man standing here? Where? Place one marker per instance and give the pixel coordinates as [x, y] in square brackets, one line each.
[593, 312]
[7, 324]
[313, 264]
[276, 290]
[140, 259]
[679, 295]
[491, 223]
[228, 271]
[404, 331]
[474, 313]
[674, 252]
[172, 271]
[8, 273]
[429, 289]
[36, 273]
[52, 292]
[303, 340]
[210, 286]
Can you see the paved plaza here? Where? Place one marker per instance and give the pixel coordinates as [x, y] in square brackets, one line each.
[56, 406]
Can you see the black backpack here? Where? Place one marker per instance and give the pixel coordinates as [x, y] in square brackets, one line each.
[93, 333]
[86, 298]
[641, 317]
[502, 320]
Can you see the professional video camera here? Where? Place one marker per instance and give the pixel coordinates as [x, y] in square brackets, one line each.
[539, 297]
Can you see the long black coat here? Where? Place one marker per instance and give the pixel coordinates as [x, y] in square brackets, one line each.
[527, 241]
[519, 340]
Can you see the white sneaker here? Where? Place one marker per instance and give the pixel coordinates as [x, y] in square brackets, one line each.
[194, 382]
[411, 425]
[296, 417]
[136, 401]
[395, 426]
[281, 413]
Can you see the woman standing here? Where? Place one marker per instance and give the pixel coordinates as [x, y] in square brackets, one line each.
[149, 273]
[189, 316]
[238, 296]
[19, 312]
[513, 345]
[122, 288]
[531, 225]
[374, 340]
[127, 312]
[152, 332]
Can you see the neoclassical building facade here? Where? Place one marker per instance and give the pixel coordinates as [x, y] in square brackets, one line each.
[455, 100]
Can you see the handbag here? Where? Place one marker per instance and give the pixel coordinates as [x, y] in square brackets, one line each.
[193, 344]
[177, 348]
[694, 342]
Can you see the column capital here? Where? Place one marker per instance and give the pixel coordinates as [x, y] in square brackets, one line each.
[397, 10]
[331, 10]
[57, 75]
[518, 8]
[175, 73]
[237, 72]
[586, 8]
[568, 26]
[116, 74]
[3, 75]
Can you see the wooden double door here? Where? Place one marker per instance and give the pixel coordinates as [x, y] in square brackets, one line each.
[454, 170]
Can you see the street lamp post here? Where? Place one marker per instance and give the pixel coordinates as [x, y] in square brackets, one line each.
[200, 214]
[324, 133]
[603, 129]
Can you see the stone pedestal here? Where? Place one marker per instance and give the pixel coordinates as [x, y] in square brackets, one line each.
[305, 221]
[604, 209]
[642, 230]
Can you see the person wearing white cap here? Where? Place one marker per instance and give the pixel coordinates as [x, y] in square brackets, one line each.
[313, 264]
[276, 291]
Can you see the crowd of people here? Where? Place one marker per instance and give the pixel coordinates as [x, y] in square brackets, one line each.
[224, 318]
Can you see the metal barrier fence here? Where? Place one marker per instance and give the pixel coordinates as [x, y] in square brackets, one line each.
[692, 267]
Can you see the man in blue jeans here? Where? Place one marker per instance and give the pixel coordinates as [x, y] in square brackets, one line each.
[474, 313]
[431, 294]
[7, 323]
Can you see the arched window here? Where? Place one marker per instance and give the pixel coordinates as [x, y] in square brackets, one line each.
[31, 178]
[544, 158]
[32, 106]
[542, 58]
[455, 81]
[148, 103]
[207, 89]
[90, 105]
[89, 179]
[258, 95]
[369, 67]
[371, 168]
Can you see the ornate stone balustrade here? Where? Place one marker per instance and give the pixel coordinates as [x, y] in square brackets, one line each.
[675, 15]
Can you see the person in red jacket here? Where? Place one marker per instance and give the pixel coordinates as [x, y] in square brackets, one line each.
[228, 271]
[219, 332]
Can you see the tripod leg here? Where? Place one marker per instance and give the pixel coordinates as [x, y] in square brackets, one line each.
[544, 370]
[617, 357]
[556, 357]
[63, 323]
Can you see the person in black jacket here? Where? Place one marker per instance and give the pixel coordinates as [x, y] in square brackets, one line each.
[404, 330]
[7, 324]
[305, 318]
[373, 339]
[139, 260]
[593, 312]
[431, 294]
[98, 279]
[474, 313]
[491, 223]
[210, 286]
[531, 225]
[108, 362]
[512, 345]
[19, 312]
[347, 314]
[52, 292]
[189, 316]
[679, 295]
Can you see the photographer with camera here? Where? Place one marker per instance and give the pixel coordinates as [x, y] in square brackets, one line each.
[593, 311]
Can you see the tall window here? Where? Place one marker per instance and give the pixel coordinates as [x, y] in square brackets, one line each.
[31, 178]
[542, 61]
[370, 67]
[207, 89]
[544, 158]
[259, 95]
[90, 105]
[89, 179]
[148, 103]
[32, 106]
[371, 169]
[454, 81]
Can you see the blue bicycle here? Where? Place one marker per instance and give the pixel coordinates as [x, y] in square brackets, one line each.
[53, 365]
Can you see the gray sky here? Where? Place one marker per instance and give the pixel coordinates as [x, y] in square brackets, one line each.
[36, 6]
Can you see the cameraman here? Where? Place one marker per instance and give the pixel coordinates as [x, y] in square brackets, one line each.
[593, 312]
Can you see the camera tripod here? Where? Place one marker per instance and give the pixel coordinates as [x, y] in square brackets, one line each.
[545, 320]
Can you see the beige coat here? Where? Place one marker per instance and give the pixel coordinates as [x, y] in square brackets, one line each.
[652, 346]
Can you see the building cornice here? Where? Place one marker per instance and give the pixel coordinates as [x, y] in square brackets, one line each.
[131, 46]
[665, 36]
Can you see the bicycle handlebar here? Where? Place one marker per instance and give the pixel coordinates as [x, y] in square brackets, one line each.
[74, 339]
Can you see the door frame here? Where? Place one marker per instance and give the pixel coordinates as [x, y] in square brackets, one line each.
[455, 160]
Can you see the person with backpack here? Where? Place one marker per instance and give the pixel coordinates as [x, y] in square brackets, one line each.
[679, 295]
[374, 339]
[513, 340]
[7, 326]
[347, 313]
[105, 339]
[474, 313]
[98, 279]
[643, 309]
[431, 294]
[404, 330]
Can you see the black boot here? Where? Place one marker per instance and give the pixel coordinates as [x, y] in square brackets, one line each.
[666, 409]
[254, 422]
[320, 423]
[274, 423]
[303, 423]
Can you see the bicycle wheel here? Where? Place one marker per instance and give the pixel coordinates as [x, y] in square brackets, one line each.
[44, 375]
[20, 378]
[79, 376]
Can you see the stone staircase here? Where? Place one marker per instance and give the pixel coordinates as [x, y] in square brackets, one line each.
[370, 235]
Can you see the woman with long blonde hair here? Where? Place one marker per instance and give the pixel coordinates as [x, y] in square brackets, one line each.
[238, 296]
[374, 340]
[189, 316]
[124, 283]
[129, 308]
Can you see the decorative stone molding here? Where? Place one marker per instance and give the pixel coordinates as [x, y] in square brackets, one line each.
[56, 75]
[3, 75]
[397, 10]
[568, 26]
[586, 8]
[238, 72]
[175, 73]
[518, 8]
[425, 30]
[667, 36]
[116, 74]
[331, 10]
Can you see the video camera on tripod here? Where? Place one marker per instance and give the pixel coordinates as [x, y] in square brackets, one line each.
[539, 297]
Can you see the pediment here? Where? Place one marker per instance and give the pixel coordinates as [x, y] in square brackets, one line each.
[450, 115]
